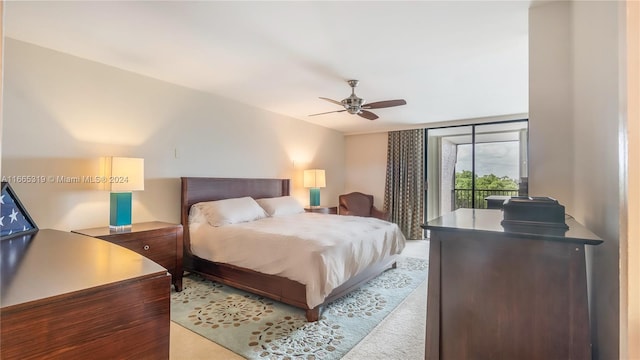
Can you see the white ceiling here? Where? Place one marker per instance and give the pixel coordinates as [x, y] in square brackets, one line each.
[449, 60]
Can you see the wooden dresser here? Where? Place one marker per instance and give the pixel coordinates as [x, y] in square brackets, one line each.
[66, 295]
[500, 295]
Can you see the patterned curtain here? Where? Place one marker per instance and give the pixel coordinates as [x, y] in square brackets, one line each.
[404, 189]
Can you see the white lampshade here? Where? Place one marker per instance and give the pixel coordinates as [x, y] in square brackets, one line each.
[314, 178]
[121, 174]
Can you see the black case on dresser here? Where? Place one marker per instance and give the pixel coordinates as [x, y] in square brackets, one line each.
[524, 213]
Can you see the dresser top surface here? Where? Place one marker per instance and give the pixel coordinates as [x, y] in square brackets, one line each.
[51, 263]
[135, 228]
[489, 220]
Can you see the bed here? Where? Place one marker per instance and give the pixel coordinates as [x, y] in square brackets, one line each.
[198, 190]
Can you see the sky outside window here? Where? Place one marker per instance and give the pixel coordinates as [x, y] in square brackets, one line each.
[498, 158]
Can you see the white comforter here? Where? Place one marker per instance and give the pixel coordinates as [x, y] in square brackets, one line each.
[319, 250]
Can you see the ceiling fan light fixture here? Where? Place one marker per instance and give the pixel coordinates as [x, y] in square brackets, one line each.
[354, 105]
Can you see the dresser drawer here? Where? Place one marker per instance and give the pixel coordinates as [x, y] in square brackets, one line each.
[161, 249]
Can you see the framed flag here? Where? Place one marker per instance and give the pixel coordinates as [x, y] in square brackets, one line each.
[14, 218]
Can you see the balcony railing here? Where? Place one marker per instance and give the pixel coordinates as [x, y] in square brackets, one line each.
[461, 198]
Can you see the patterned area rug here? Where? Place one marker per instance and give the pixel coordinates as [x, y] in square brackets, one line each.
[259, 328]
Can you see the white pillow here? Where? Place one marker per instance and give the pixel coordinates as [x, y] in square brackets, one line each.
[228, 211]
[283, 205]
[195, 214]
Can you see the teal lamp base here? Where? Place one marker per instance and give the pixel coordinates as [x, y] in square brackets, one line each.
[314, 197]
[120, 212]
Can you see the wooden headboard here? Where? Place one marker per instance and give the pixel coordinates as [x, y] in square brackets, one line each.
[198, 189]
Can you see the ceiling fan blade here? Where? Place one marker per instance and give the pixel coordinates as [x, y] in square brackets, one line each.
[328, 112]
[367, 115]
[333, 101]
[384, 104]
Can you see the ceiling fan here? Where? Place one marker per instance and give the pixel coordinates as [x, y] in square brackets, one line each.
[358, 106]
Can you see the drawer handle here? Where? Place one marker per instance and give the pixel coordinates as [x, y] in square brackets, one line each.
[146, 247]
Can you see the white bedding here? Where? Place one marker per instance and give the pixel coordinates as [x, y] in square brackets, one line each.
[321, 251]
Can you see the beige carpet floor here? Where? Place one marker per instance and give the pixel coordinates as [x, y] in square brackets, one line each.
[399, 336]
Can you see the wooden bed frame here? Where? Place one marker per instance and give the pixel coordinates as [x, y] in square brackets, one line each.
[198, 189]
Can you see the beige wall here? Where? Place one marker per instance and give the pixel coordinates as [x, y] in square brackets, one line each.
[596, 111]
[574, 123]
[366, 165]
[61, 113]
[1, 72]
[550, 122]
[630, 239]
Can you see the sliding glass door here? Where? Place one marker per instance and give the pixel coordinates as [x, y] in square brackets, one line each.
[475, 166]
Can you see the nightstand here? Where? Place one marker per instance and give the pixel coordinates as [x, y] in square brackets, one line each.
[322, 209]
[158, 241]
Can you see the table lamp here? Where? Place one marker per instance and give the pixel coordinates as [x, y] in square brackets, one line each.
[121, 176]
[314, 179]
